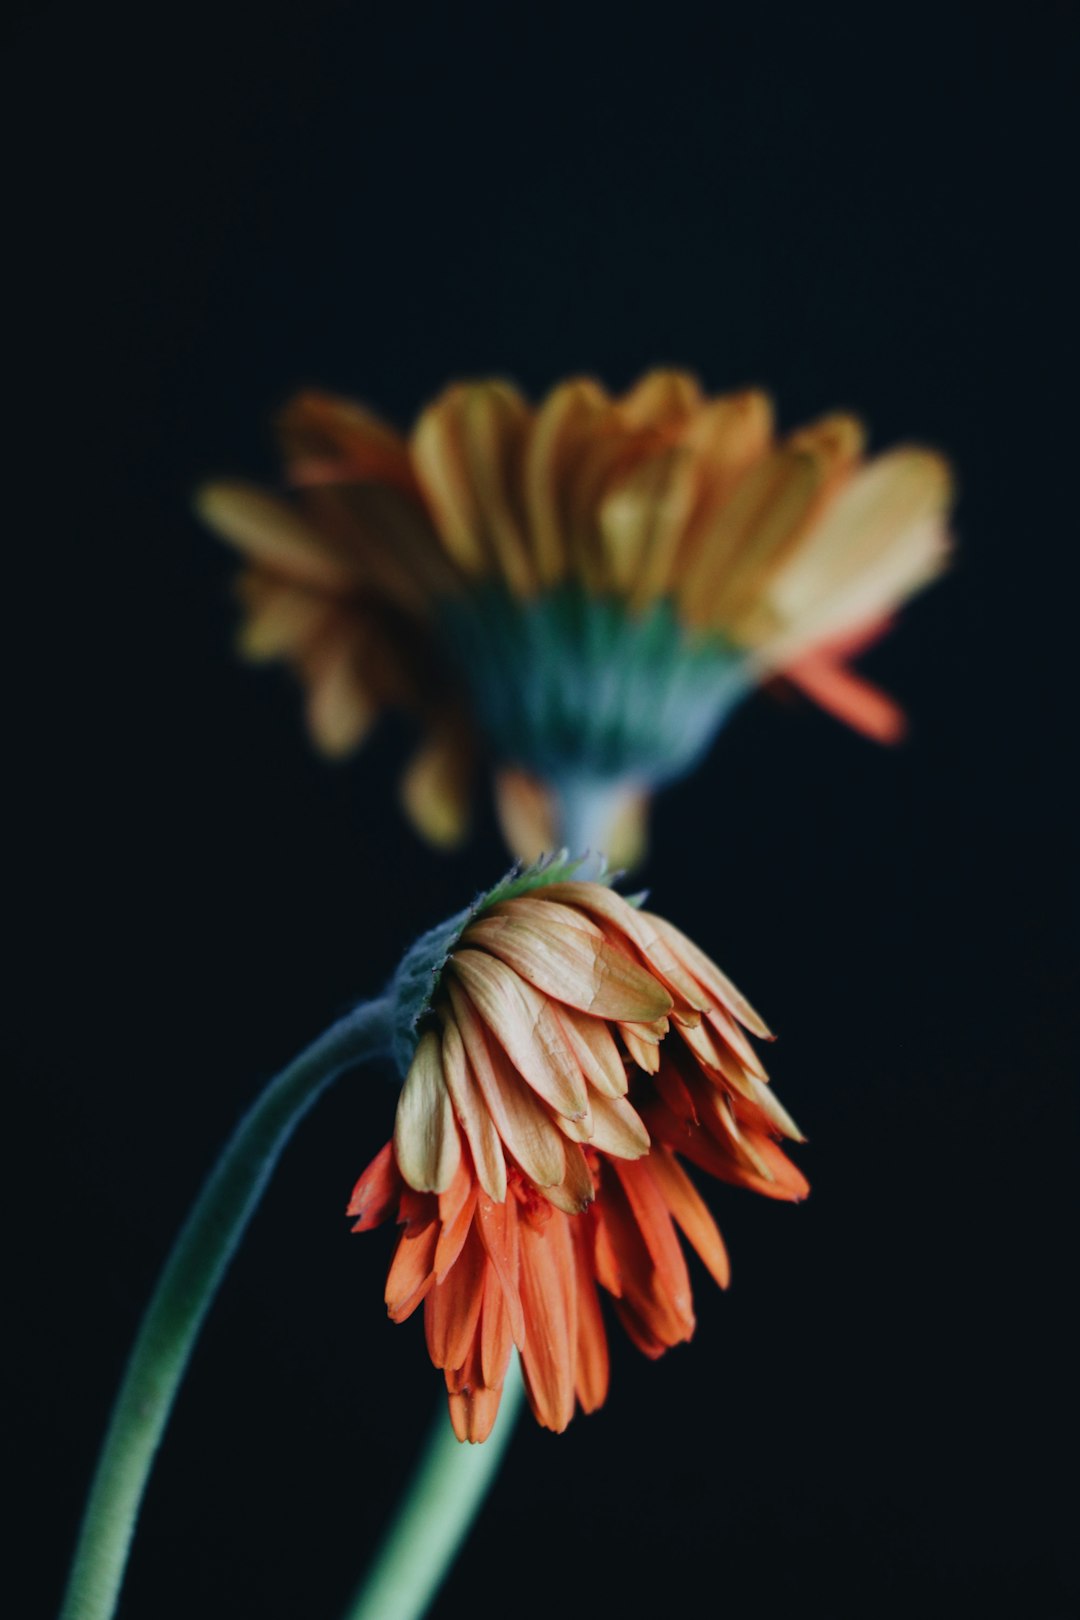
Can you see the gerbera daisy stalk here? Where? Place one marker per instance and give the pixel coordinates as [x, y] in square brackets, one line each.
[561, 1049]
[178, 1307]
[580, 592]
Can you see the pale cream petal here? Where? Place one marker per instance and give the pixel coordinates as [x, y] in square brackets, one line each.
[718, 1031]
[646, 1054]
[880, 538]
[617, 1128]
[594, 1047]
[774, 1110]
[538, 909]
[717, 985]
[875, 591]
[426, 1142]
[641, 929]
[575, 1192]
[526, 1028]
[575, 967]
[472, 1113]
[523, 1123]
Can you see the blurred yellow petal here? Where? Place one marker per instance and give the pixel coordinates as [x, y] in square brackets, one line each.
[434, 789]
[274, 533]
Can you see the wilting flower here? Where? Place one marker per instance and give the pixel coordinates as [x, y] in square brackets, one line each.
[585, 588]
[568, 1046]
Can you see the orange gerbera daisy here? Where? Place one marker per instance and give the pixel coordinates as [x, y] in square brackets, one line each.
[568, 1046]
[588, 587]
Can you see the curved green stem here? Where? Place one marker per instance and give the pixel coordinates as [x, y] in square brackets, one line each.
[182, 1297]
[441, 1501]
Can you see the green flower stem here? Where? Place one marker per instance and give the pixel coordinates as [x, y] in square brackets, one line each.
[441, 1502]
[183, 1295]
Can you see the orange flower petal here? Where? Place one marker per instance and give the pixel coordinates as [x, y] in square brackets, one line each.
[691, 1212]
[498, 1225]
[591, 1366]
[473, 1413]
[549, 1298]
[848, 697]
[376, 1194]
[412, 1270]
[452, 1307]
[495, 1333]
[455, 1228]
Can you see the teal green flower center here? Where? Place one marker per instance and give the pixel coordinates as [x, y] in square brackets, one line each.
[569, 685]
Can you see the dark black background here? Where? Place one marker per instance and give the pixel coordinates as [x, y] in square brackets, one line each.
[867, 209]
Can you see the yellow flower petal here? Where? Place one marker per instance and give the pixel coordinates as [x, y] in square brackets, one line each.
[274, 533]
[562, 427]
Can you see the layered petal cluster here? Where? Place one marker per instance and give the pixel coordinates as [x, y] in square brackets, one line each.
[573, 1047]
[507, 569]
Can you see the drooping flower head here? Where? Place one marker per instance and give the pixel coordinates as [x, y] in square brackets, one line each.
[585, 588]
[562, 1048]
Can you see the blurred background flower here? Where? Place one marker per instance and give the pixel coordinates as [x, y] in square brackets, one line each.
[581, 591]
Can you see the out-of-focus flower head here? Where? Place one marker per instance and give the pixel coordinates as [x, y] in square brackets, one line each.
[583, 589]
[561, 1047]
